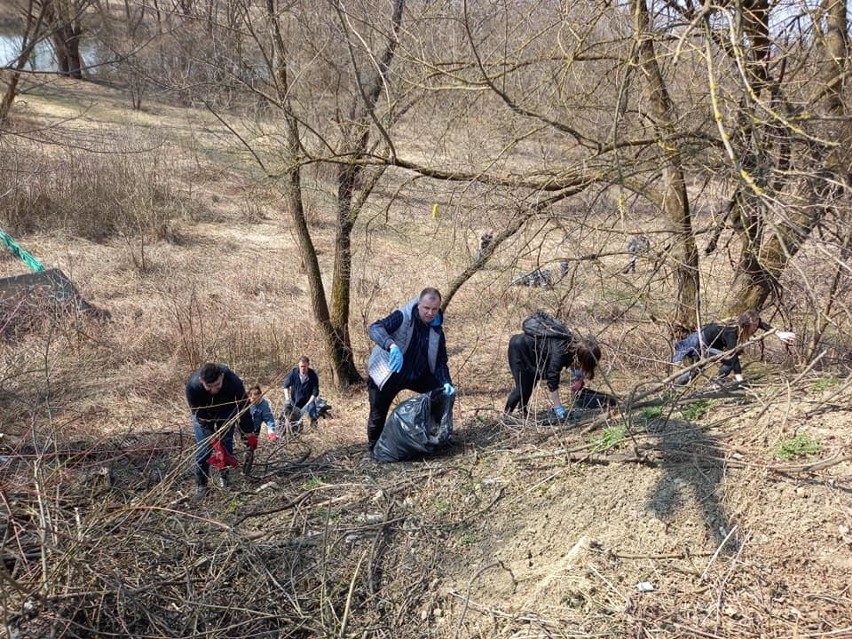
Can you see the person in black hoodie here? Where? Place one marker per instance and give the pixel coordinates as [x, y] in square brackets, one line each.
[714, 339]
[216, 397]
[535, 358]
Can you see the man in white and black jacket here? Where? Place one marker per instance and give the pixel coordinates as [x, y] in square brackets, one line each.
[410, 353]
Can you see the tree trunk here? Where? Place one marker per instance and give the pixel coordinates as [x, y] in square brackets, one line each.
[353, 149]
[687, 311]
[759, 273]
[75, 59]
[762, 282]
[32, 31]
[9, 96]
[336, 345]
[66, 39]
[292, 189]
[341, 284]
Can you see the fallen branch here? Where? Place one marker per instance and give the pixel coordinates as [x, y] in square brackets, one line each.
[812, 467]
[271, 511]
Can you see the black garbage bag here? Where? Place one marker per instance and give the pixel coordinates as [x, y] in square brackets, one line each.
[418, 427]
[323, 408]
[592, 399]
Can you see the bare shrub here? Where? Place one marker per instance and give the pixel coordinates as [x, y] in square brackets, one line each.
[260, 352]
[207, 573]
[196, 327]
[91, 195]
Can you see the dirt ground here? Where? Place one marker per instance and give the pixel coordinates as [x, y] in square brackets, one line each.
[668, 516]
[700, 541]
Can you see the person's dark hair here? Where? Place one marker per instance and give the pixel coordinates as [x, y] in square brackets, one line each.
[430, 291]
[748, 318]
[304, 359]
[210, 372]
[587, 354]
[254, 388]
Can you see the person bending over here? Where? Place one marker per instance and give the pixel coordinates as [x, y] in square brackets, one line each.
[532, 359]
[716, 338]
[217, 400]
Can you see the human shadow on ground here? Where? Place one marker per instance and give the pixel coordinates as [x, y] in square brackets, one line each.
[691, 460]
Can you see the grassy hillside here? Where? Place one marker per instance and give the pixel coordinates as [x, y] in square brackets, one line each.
[701, 512]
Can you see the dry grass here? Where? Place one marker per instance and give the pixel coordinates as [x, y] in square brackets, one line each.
[519, 531]
[92, 195]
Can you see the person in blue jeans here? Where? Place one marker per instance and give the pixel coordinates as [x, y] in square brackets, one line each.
[410, 353]
[261, 413]
[301, 389]
[714, 339]
[217, 401]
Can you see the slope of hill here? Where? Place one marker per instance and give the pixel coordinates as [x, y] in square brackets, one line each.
[699, 513]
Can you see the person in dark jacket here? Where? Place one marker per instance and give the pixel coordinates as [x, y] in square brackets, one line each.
[217, 400]
[532, 359]
[410, 353]
[714, 339]
[301, 389]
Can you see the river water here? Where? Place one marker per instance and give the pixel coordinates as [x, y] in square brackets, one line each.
[42, 58]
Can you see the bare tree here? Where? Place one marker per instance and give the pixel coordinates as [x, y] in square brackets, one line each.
[65, 20]
[673, 197]
[793, 169]
[777, 144]
[353, 151]
[33, 15]
[542, 103]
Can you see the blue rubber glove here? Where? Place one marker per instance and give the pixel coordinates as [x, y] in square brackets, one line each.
[560, 411]
[437, 320]
[395, 359]
[449, 389]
